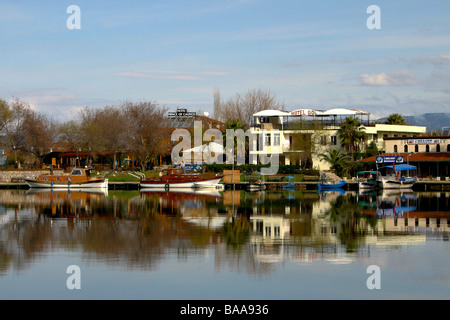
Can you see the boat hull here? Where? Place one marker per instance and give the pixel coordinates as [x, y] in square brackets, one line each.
[181, 184]
[366, 185]
[65, 185]
[396, 184]
[330, 186]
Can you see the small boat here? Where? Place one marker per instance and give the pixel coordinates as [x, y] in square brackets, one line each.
[331, 185]
[330, 181]
[175, 177]
[255, 185]
[396, 176]
[366, 179]
[78, 178]
[290, 184]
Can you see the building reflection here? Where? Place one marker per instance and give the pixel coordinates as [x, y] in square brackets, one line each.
[250, 230]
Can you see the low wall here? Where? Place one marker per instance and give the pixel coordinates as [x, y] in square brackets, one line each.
[20, 175]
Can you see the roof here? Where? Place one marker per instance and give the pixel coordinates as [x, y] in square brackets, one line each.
[401, 167]
[415, 156]
[344, 111]
[271, 113]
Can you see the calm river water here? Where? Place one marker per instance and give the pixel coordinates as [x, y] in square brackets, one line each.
[289, 245]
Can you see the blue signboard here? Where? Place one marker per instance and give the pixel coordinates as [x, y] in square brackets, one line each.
[2, 160]
[389, 159]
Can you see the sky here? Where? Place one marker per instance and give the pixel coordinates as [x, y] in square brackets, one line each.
[310, 54]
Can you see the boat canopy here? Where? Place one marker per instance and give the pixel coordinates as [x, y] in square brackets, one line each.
[364, 172]
[401, 167]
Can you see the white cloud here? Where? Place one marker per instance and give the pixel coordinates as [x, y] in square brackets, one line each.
[395, 78]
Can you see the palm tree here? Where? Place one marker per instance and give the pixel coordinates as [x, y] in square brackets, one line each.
[337, 160]
[395, 118]
[351, 135]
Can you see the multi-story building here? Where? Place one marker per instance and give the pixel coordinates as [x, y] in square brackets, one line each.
[299, 137]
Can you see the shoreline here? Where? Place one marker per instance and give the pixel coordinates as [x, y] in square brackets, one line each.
[270, 186]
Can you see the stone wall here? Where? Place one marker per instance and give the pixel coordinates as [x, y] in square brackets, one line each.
[20, 175]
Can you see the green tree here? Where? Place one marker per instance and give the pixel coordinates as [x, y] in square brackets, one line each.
[395, 118]
[337, 160]
[351, 135]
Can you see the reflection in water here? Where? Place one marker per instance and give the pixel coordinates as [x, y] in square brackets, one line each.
[248, 231]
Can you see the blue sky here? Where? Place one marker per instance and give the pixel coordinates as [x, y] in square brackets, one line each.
[311, 54]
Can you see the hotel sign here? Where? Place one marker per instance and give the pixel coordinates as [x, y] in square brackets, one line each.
[424, 141]
[304, 112]
[389, 159]
[182, 113]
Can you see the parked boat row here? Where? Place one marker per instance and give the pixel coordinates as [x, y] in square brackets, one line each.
[393, 176]
[402, 176]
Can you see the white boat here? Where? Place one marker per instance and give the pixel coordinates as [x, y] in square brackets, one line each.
[400, 176]
[175, 178]
[78, 178]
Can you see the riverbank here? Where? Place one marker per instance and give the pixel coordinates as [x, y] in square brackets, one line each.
[305, 185]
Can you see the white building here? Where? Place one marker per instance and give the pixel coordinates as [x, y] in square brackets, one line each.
[298, 137]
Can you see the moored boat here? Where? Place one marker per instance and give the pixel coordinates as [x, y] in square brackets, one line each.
[175, 177]
[400, 176]
[330, 181]
[366, 179]
[331, 185]
[78, 178]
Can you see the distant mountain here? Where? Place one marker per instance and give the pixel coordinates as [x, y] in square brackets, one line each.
[433, 121]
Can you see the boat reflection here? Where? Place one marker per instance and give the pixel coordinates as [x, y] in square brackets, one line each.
[264, 228]
[408, 211]
[201, 207]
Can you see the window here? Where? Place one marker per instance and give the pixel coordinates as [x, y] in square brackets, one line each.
[427, 148]
[438, 148]
[416, 148]
[264, 120]
[448, 148]
[267, 139]
[276, 139]
[333, 140]
[323, 140]
[405, 149]
[395, 148]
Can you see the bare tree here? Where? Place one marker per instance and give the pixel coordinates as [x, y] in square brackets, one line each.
[242, 107]
[146, 135]
[40, 134]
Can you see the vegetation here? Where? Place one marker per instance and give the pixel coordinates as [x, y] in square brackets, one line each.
[243, 106]
[337, 160]
[133, 127]
[395, 118]
[351, 135]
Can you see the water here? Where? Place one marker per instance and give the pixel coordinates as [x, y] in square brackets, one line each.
[224, 245]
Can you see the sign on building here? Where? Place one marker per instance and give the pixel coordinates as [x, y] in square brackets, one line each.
[389, 159]
[424, 141]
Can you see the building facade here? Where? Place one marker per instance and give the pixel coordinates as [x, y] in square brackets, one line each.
[299, 137]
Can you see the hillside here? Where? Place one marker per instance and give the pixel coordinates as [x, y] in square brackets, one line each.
[433, 121]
